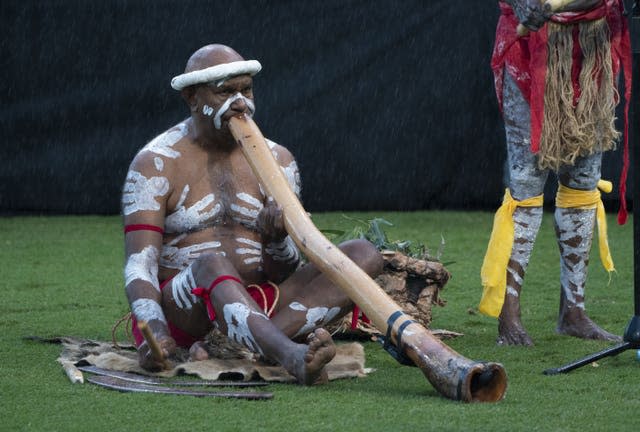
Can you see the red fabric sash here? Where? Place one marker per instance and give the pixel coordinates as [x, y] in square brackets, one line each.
[142, 227]
[205, 293]
[525, 59]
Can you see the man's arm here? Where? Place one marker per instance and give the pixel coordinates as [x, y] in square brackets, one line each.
[280, 255]
[144, 200]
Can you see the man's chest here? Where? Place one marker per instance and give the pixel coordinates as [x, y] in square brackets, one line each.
[217, 198]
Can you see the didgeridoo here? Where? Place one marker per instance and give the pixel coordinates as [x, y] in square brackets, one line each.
[554, 5]
[451, 374]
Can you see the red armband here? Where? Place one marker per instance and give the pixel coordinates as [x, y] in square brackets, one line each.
[142, 227]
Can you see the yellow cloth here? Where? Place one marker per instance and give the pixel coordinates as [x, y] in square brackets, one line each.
[494, 267]
[574, 198]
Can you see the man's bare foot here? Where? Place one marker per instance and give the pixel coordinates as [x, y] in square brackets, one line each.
[580, 325]
[198, 352]
[512, 332]
[319, 352]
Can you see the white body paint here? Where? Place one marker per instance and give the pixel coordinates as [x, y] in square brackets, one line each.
[140, 192]
[146, 310]
[236, 315]
[316, 317]
[179, 258]
[194, 218]
[246, 215]
[159, 163]
[292, 174]
[285, 251]
[143, 266]
[254, 251]
[181, 286]
[163, 143]
[207, 110]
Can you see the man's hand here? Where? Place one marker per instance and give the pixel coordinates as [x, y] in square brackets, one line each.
[148, 360]
[531, 13]
[271, 222]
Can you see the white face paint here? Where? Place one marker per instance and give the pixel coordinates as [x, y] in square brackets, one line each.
[253, 252]
[217, 119]
[316, 317]
[163, 144]
[146, 310]
[194, 218]
[181, 286]
[179, 258]
[246, 215]
[207, 110]
[140, 192]
[143, 266]
[236, 315]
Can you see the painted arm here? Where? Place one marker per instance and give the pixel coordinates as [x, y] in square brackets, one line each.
[144, 200]
[280, 255]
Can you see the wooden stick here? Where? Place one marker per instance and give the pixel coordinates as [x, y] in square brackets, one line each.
[156, 351]
[450, 373]
[554, 5]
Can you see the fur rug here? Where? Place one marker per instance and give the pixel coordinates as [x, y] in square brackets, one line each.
[348, 362]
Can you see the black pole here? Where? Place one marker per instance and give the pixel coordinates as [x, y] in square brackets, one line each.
[631, 338]
[632, 334]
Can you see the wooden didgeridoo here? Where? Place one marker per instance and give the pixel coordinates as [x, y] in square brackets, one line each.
[554, 5]
[451, 374]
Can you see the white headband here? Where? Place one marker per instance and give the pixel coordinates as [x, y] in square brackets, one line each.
[216, 73]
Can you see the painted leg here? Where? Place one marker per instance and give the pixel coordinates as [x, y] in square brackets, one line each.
[241, 319]
[238, 316]
[526, 225]
[309, 300]
[574, 231]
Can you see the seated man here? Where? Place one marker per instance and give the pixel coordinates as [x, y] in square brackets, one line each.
[206, 246]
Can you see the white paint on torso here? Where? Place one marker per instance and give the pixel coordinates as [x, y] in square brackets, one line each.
[236, 315]
[163, 143]
[253, 253]
[246, 215]
[143, 266]
[179, 258]
[140, 192]
[200, 215]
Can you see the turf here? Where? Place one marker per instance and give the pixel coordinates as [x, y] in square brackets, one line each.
[63, 276]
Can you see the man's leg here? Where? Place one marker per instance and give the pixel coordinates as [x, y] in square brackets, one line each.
[240, 318]
[574, 232]
[525, 181]
[310, 300]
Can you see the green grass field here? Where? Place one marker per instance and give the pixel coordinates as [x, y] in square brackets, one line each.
[62, 276]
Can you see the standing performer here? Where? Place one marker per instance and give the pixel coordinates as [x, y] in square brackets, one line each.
[205, 245]
[556, 86]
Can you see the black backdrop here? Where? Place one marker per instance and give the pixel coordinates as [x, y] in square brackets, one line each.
[386, 105]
